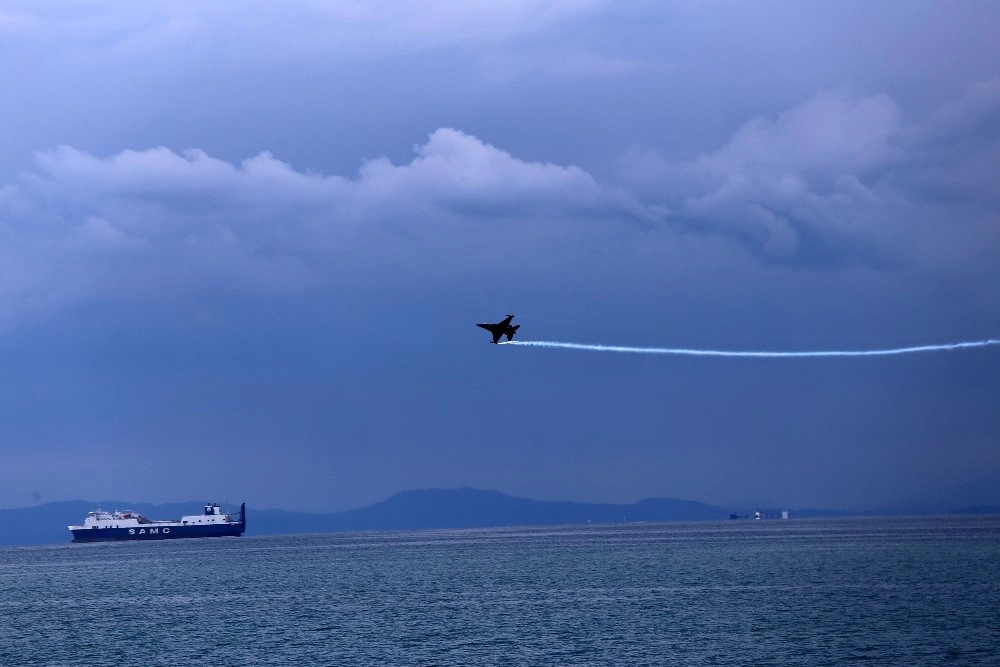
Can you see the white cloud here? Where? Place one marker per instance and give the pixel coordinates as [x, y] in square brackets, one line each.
[456, 170]
[833, 132]
[840, 178]
[155, 221]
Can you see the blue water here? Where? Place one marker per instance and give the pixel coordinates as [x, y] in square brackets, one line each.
[799, 592]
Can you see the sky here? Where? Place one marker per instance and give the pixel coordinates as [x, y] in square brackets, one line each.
[243, 246]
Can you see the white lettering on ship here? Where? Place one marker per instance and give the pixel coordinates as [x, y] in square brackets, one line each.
[151, 531]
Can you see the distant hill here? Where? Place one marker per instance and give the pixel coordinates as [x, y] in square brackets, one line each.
[471, 508]
[407, 510]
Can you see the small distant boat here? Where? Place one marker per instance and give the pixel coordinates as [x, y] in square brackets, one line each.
[101, 526]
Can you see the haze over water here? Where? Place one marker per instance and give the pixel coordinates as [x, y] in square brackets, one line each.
[809, 592]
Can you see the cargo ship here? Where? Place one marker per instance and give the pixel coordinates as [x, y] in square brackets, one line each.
[101, 526]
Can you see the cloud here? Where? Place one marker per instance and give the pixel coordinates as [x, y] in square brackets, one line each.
[155, 221]
[954, 154]
[456, 173]
[832, 132]
[975, 115]
[838, 179]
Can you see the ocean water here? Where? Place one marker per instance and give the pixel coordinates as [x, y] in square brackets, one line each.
[798, 592]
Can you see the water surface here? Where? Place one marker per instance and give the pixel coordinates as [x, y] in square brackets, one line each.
[801, 592]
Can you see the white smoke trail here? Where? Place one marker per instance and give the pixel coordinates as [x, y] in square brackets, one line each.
[733, 353]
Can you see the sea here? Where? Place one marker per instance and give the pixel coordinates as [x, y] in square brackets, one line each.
[878, 591]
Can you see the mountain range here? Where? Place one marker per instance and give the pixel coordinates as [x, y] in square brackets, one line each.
[408, 510]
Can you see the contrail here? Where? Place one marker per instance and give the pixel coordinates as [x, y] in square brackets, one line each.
[736, 353]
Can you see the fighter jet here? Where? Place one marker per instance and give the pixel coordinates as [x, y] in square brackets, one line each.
[501, 329]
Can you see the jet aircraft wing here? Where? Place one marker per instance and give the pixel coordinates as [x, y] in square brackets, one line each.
[493, 329]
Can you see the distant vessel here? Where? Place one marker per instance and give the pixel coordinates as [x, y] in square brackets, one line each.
[101, 526]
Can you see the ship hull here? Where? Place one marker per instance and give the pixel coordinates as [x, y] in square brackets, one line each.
[142, 533]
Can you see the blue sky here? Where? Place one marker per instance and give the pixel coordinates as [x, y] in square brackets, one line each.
[243, 246]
